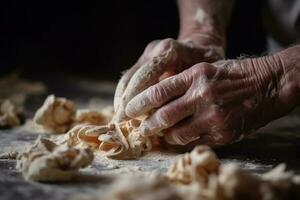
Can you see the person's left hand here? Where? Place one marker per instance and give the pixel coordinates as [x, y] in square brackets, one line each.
[213, 103]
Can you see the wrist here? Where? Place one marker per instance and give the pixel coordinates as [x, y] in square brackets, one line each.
[276, 82]
[291, 80]
[264, 73]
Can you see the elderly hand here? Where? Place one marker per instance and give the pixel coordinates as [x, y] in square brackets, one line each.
[216, 103]
[160, 60]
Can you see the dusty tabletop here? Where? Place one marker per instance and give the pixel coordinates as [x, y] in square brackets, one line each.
[277, 143]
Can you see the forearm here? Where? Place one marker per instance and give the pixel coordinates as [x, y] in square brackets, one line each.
[204, 17]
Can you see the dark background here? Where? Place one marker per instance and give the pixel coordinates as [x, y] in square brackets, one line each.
[98, 39]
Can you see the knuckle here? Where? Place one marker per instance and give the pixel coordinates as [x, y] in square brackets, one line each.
[158, 47]
[204, 69]
[152, 44]
[209, 93]
[165, 45]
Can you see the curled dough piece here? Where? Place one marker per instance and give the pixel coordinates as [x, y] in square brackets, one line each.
[9, 115]
[83, 135]
[116, 140]
[124, 141]
[56, 114]
[46, 161]
[195, 166]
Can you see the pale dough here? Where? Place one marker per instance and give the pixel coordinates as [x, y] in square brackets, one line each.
[56, 114]
[59, 115]
[115, 140]
[195, 166]
[47, 161]
[202, 171]
[93, 129]
[9, 116]
[90, 117]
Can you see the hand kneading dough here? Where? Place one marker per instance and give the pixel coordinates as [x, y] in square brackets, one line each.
[56, 114]
[46, 161]
[8, 114]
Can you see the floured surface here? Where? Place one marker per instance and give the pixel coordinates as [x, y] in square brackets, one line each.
[257, 154]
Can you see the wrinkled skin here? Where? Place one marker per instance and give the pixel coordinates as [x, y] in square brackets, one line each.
[154, 66]
[216, 103]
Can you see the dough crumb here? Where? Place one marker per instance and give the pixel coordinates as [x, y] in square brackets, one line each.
[46, 161]
[56, 114]
[195, 166]
[12, 155]
[59, 115]
[90, 117]
[9, 116]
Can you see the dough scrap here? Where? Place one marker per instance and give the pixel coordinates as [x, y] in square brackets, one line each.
[90, 117]
[9, 116]
[195, 166]
[48, 162]
[12, 155]
[235, 183]
[202, 171]
[93, 129]
[56, 114]
[59, 115]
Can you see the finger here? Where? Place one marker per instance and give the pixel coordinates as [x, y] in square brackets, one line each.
[122, 84]
[146, 76]
[167, 116]
[121, 87]
[157, 95]
[187, 131]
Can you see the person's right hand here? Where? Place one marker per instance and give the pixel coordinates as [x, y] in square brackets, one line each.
[161, 59]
